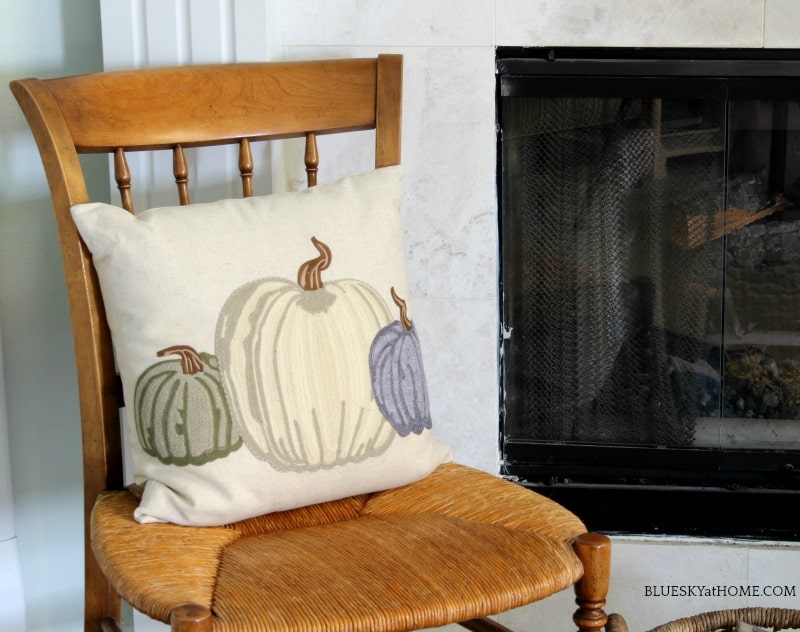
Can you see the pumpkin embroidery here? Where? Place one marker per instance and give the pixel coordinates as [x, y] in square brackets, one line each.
[398, 377]
[181, 414]
[294, 364]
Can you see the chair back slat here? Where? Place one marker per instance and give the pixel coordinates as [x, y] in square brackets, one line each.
[214, 104]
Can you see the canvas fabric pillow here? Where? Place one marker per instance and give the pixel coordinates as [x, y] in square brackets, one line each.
[264, 361]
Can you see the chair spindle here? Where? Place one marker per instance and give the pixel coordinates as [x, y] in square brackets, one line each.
[181, 172]
[246, 167]
[122, 174]
[311, 158]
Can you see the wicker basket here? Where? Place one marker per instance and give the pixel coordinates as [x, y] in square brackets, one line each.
[776, 618]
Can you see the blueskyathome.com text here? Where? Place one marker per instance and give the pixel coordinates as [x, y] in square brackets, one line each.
[722, 590]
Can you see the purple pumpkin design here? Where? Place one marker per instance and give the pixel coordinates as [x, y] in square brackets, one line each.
[398, 377]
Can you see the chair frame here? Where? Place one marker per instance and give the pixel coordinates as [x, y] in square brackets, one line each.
[179, 106]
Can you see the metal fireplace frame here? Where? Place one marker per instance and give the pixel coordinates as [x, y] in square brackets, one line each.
[652, 490]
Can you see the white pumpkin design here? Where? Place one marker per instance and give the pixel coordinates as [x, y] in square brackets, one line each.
[294, 364]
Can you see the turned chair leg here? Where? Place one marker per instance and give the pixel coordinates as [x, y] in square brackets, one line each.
[109, 625]
[594, 551]
[191, 618]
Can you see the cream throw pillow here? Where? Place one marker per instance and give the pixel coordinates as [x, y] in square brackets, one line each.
[267, 356]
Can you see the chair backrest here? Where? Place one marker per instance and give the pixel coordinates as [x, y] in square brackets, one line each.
[170, 109]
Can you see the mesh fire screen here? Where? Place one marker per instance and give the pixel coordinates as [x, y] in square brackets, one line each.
[634, 234]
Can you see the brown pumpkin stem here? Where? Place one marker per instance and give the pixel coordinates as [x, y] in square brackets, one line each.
[309, 276]
[404, 319]
[191, 362]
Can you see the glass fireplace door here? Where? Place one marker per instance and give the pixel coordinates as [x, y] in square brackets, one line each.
[650, 283]
[613, 289]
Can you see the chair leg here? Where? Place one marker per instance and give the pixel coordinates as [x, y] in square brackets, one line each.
[109, 625]
[102, 606]
[594, 551]
[191, 618]
[483, 625]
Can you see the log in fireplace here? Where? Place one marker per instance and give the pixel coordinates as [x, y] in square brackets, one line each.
[650, 285]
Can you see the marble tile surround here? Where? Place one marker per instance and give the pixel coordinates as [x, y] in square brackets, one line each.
[449, 147]
[685, 23]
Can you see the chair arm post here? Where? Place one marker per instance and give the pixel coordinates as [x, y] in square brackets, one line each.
[594, 551]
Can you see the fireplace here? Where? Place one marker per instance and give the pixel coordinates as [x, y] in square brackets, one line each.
[650, 285]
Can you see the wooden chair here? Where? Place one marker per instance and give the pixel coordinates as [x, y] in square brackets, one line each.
[544, 548]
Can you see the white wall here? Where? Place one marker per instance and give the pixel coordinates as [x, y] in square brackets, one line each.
[40, 37]
[12, 605]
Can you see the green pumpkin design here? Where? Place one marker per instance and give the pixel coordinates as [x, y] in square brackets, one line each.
[182, 417]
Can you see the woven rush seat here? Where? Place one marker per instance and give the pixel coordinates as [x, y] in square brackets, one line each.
[299, 575]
